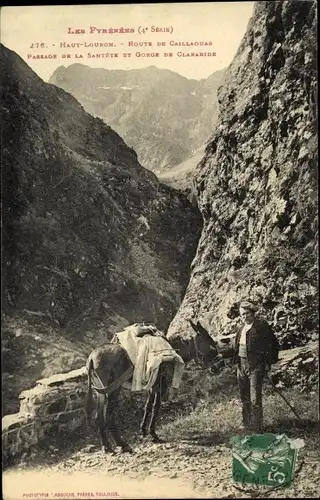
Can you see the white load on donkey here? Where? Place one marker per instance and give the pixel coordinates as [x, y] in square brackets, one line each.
[147, 349]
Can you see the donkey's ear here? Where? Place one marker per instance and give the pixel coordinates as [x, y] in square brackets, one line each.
[193, 325]
[199, 329]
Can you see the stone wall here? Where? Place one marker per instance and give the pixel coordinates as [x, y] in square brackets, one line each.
[52, 409]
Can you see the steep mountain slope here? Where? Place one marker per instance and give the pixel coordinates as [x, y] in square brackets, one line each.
[161, 114]
[257, 183]
[91, 241]
[181, 176]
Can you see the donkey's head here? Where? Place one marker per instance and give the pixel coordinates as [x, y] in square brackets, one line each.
[205, 349]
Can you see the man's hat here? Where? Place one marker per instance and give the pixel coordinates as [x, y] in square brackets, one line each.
[246, 304]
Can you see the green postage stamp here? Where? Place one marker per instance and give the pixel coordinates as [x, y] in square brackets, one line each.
[267, 459]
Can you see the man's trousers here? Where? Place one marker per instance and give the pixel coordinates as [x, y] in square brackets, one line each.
[250, 387]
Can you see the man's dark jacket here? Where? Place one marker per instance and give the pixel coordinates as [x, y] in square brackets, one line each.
[262, 344]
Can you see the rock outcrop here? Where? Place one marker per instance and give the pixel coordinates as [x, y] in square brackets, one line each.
[91, 241]
[164, 116]
[298, 366]
[257, 184]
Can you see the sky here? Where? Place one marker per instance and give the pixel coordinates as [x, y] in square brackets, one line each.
[43, 35]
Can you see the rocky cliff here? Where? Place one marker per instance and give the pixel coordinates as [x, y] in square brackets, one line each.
[91, 241]
[161, 114]
[257, 184]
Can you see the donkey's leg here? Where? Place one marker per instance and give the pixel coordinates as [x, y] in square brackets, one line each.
[160, 391]
[155, 412]
[113, 406]
[101, 422]
[146, 413]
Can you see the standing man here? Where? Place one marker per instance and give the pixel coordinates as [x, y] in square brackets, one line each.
[256, 349]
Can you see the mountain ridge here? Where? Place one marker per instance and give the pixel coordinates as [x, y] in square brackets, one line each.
[163, 115]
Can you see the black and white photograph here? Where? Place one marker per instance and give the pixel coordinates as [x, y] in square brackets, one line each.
[160, 260]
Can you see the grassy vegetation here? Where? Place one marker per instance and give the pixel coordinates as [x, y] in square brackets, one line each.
[207, 410]
[217, 418]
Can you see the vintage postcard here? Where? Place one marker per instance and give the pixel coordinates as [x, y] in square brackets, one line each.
[160, 250]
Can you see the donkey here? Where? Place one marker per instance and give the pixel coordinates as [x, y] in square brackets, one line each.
[109, 367]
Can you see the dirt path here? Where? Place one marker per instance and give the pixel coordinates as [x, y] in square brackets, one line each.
[170, 470]
[195, 462]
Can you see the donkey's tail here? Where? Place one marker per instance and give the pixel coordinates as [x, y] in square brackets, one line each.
[89, 403]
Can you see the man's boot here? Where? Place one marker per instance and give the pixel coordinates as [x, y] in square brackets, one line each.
[246, 415]
[256, 419]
